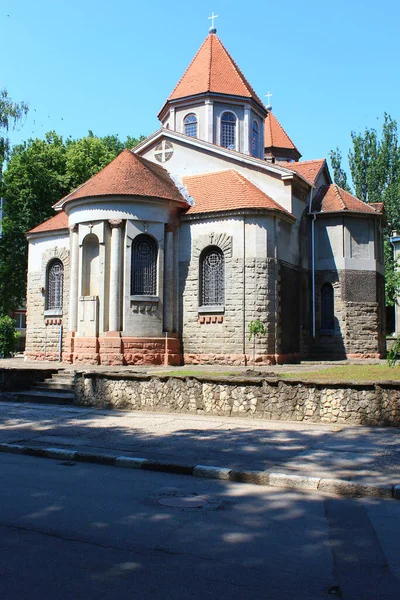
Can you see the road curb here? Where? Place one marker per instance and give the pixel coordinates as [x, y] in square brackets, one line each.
[338, 487]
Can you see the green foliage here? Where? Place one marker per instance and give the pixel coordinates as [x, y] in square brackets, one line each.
[39, 173]
[393, 354]
[256, 328]
[8, 337]
[339, 175]
[10, 114]
[392, 275]
[374, 162]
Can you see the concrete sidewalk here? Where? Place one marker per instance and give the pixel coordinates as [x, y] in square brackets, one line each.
[364, 456]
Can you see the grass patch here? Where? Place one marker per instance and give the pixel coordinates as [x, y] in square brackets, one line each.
[193, 373]
[349, 373]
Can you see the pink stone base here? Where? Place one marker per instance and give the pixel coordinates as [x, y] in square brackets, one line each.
[240, 359]
[115, 350]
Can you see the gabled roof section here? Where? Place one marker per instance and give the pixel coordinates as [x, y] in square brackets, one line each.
[57, 223]
[128, 175]
[232, 155]
[276, 137]
[332, 198]
[227, 190]
[309, 169]
[213, 70]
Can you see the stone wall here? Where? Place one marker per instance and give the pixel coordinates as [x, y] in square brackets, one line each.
[223, 338]
[359, 326]
[43, 333]
[363, 404]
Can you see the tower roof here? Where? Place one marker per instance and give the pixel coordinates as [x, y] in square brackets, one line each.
[128, 175]
[275, 137]
[213, 70]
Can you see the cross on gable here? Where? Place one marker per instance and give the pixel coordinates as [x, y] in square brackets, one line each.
[164, 151]
[269, 96]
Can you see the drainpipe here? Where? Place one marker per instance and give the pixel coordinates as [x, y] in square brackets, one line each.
[314, 216]
[60, 343]
[244, 290]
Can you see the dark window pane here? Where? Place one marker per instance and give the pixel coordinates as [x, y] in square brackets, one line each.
[228, 128]
[191, 125]
[327, 307]
[55, 280]
[212, 273]
[144, 266]
[254, 139]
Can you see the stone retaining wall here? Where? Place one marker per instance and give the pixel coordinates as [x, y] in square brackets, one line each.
[354, 404]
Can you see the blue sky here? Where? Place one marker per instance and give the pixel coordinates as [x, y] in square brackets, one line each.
[109, 66]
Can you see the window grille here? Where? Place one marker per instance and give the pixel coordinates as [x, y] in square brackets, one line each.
[327, 307]
[228, 129]
[55, 281]
[212, 273]
[144, 266]
[254, 139]
[191, 125]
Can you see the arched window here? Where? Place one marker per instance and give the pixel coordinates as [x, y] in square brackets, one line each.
[54, 287]
[228, 130]
[254, 139]
[327, 307]
[191, 125]
[91, 265]
[144, 266]
[212, 277]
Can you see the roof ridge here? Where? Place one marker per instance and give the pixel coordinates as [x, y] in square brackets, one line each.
[339, 196]
[188, 67]
[210, 62]
[239, 72]
[312, 160]
[284, 131]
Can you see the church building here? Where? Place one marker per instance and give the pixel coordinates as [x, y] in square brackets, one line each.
[212, 222]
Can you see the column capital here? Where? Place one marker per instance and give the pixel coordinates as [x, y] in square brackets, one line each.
[73, 227]
[115, 223]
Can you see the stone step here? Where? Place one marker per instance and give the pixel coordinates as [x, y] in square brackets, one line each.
[56, 386]
[66, 374]
[42, 397]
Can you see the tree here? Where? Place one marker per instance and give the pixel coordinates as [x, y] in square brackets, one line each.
[339, 175]
[256, 329]
[375, 172]
[38, 174]
[10, 114]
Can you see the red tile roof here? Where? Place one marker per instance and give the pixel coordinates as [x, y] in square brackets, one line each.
[213, 70]
[275, 136]
[128, 175]
[56, 223]
[332, 198]
[309, 169]
[227, 190]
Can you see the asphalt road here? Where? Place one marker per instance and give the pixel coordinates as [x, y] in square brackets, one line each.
[77, 531]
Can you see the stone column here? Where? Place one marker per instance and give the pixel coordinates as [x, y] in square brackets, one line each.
[169, 280]
[74, 278]
[246, 130]
[209, 123]
[115, 275]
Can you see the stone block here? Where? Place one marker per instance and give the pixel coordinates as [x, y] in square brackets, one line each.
[293, 481]
[211, 472]
[355, 489]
